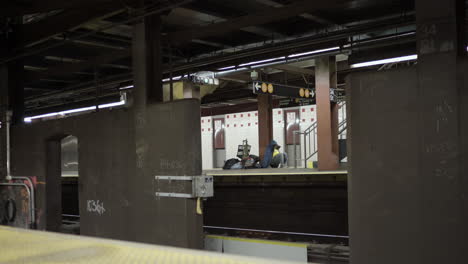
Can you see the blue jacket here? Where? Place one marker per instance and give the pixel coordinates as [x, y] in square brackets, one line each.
[268, 154]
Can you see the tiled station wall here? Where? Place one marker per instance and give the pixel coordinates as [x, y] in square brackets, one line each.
[241, 126]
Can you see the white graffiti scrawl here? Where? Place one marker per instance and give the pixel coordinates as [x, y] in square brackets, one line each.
[96, 206]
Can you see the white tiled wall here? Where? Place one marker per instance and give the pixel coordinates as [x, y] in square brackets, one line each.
[241, 126]
[278, 126]
[207, 142]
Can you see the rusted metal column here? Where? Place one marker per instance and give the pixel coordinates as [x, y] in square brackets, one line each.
[442, 129]
[265, 122]
[327, 115]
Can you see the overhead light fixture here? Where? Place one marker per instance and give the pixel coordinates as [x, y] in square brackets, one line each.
[126, 87]
[29, 119]
[261, 61]
[226, 68]
[230, 71]
[111, 104]
[313, 52]
[173, 78]
[269, 64]
[385, 61]
[76, 110]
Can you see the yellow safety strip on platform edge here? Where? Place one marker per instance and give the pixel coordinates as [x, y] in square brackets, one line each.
[280, 173]
[21, 246]
[260, 241]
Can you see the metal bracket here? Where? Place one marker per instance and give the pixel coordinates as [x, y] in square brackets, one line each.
[201, 186]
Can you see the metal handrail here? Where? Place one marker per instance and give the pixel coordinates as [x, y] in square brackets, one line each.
[33, 197]
[312, 131]
[342, 127]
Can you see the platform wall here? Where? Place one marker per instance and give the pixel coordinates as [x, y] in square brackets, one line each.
[116, 201]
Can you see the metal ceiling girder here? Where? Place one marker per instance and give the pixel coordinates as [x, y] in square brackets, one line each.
[259, 18]
[289, 45]
[70, 68]
[308, 16]
[65, 21]
[266, 51]
[294, 69]
[157, 10]
[17, 8]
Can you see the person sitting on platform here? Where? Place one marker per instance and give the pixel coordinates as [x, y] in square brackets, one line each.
[273, 157]
[279, 159]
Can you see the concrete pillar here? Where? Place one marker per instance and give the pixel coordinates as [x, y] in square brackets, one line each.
[440, 32]
[265, 122]
[408, 183]
[191, 90]
[167, 142]
[327, 114]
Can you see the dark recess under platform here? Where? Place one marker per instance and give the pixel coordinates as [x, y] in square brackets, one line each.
[312, 204]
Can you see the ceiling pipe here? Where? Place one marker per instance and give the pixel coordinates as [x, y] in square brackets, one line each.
[8, 146]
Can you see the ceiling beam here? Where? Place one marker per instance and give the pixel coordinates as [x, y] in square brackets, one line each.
[65, 21]
[239, 78]
[267, 15]
[69, 68]
[294, 69]
[227, 95]
[307, 16]
[199, 18]
[18, 8]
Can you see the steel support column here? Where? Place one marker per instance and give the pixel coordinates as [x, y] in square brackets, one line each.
[265, 122]
[11, 87]
[13, 72]
[442, 117]
[327, 114]
[147, 68]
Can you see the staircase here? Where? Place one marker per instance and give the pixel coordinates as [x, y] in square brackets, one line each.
[309, 141]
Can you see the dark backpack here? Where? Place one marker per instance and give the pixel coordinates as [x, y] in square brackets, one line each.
[228, 164]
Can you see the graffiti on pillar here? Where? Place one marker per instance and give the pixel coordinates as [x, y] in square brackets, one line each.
[171, 164]
[442, 113]
[435, 38]
[95, 206]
